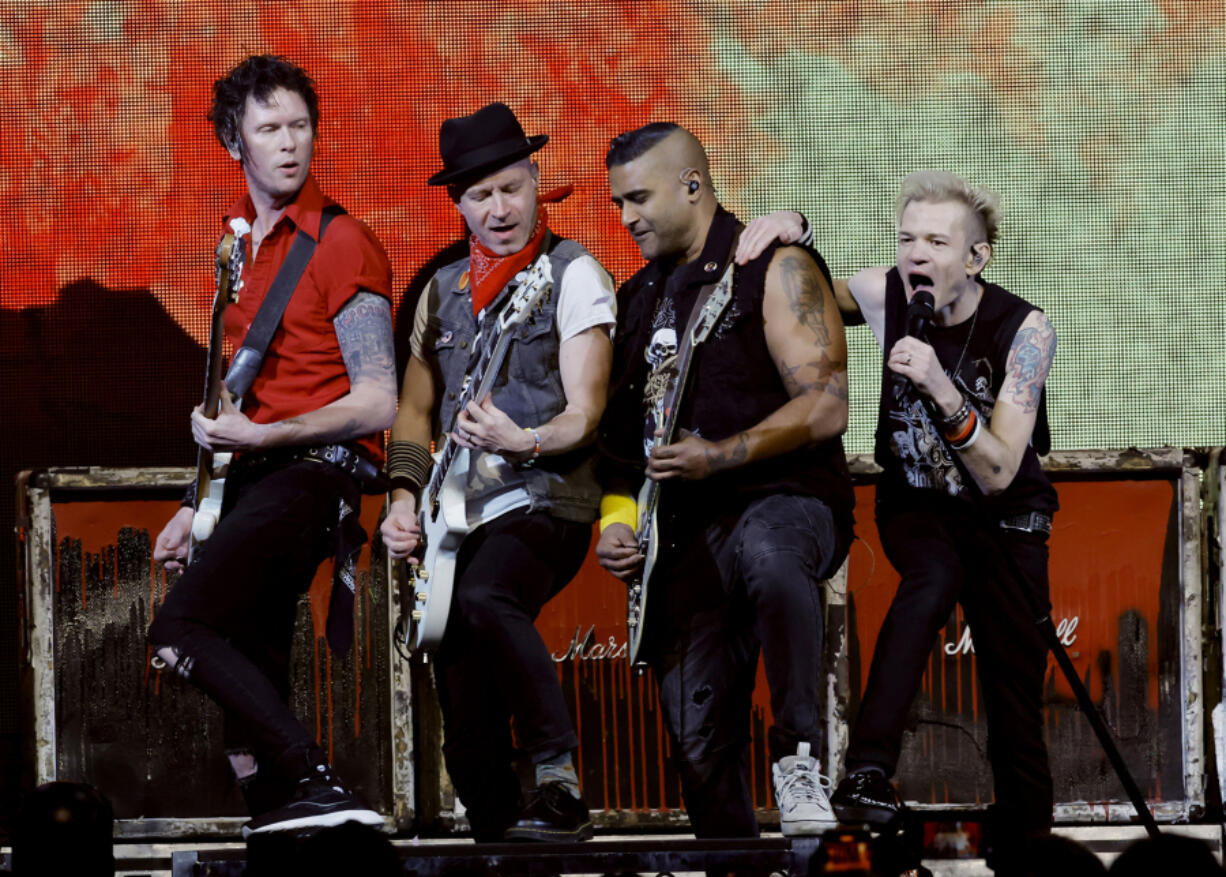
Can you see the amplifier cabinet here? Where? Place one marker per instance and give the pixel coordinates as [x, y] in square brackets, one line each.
[1126, 586]
[98, 712]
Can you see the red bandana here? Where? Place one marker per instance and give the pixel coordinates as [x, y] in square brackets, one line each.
[490, 272]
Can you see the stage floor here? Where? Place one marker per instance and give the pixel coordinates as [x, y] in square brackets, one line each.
[154, 859]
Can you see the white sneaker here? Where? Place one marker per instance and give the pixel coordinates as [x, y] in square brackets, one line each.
[800, 793]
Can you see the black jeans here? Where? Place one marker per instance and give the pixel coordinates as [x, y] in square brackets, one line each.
[493, 667]
[749, 580]
[231, 614]
[946, 552]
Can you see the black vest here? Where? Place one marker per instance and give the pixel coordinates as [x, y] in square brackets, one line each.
[734, 383]
[909, 447]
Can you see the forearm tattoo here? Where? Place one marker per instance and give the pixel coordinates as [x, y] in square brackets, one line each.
[364, 330]
[718, 460]
[1030, 359]
[805, 296]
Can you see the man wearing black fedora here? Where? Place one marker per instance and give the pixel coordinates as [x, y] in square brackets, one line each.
[531, 493]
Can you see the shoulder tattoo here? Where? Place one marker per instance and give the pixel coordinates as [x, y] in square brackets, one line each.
[804, 295]
[364, 330]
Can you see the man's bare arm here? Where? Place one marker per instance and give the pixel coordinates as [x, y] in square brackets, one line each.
[584, 361]
[364, 331]
[804, 335]
[996, 455]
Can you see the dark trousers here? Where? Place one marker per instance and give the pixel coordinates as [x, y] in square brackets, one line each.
[749, 581]
[946, 553]
[493, 667]
[231, 614]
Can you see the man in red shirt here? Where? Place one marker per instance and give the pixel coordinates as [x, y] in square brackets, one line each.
[313, 417]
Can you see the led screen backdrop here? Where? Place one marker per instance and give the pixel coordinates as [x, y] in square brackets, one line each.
[1101, 123]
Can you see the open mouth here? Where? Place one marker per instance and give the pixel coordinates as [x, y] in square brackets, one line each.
[919, 281]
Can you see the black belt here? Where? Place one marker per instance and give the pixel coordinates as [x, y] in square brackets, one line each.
[1030, 522]
[369, 476]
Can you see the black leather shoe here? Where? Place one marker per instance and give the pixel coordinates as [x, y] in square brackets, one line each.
[867, 797]
[552, 814]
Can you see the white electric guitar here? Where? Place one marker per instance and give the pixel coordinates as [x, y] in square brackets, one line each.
[444, 510]
[211, 468]
[647, 532]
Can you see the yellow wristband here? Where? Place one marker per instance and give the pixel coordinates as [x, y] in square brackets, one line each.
[618, 508]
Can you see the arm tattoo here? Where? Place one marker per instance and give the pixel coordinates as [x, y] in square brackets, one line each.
[364, 330]
[805, 296]
[1030, 359]
[717, 460]
[825, 374]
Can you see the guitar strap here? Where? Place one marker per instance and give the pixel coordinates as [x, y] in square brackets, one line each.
[704, 293]
[250, 355]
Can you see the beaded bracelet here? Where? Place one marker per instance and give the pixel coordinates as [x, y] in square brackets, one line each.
[536, 446]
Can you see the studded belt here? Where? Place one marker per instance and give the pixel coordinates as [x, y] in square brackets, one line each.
[1030, 522]
[369, 477]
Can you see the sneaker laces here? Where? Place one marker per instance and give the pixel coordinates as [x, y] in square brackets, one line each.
[804, 786]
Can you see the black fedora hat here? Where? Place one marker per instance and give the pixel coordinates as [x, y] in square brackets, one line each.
[474, 146]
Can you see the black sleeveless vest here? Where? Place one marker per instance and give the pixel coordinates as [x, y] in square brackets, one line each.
[734, 382]
[909, 447]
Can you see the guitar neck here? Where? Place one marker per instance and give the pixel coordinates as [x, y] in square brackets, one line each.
[481, 379]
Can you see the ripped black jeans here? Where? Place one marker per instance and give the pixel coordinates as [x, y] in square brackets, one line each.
[230, 616]
[743, 583]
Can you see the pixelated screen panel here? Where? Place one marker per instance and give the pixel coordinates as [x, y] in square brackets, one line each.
[1101, 125]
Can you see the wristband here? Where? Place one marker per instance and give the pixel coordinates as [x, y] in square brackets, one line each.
[408, 465]
[618, 508]
[955, 420]
[966, 441]
[958, 434]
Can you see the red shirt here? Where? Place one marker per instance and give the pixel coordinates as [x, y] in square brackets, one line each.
[303, 369]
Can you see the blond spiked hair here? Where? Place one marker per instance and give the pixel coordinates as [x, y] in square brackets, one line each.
[935, 186]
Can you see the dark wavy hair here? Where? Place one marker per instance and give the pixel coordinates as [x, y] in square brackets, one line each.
[257, 76]
[626, 147]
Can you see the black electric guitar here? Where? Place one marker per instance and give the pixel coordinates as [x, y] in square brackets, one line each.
[210, 467]
[444, 511]
[701, 323]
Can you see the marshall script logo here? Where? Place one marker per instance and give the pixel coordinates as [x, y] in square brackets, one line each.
[1066, 630]
[583, 647]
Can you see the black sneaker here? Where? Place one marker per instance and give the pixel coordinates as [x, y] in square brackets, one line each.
[319, 801]
[552, 814]
[868, 797]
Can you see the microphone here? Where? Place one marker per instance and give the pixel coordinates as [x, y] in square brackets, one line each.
[920, 313]
[919, 316]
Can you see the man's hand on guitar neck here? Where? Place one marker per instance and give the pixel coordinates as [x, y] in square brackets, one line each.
[486, 427]
[401, 529]
[618, 551]
[230, 431]
[693, 458]
[170, 548]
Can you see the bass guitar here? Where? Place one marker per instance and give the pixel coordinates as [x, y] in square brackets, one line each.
[211, 468]
[706, 315]
[444, 511]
